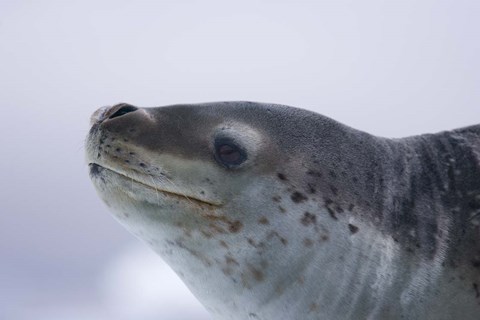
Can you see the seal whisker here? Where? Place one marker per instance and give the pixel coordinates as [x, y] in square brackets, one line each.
[155, 187]
[177, 190]
[134, 173]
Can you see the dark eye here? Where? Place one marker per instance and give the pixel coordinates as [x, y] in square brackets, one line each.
[229, 154]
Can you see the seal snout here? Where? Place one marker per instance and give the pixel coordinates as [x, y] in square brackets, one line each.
[121, 110]
[111, 112]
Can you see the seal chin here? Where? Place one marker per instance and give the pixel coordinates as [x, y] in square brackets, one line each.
[95, 169]
[98, 174]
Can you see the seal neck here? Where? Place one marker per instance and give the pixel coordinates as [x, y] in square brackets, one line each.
[444, 167]
[434, 189]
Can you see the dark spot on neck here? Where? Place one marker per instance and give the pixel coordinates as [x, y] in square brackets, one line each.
[224, 244]
[307, 242]
[298, 197]
[230, 261]
[281, 176]
[257, 274]
[334, 189]
[235, 226]
[332, 174]
[353, 229]
[308, 219]
[476, 262]
[477, 291]
[328, 204]
[207, 234]
[323, 238]
[313, 307]
[275, 234]
[332, 213]
[263, 220]
[314, 173]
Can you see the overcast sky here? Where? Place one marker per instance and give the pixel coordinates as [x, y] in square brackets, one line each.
[392, 68]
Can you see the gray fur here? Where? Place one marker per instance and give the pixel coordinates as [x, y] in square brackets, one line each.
[323, 187]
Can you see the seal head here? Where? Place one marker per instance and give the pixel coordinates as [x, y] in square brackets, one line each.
[272, 212]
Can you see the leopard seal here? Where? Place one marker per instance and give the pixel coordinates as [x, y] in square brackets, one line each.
[273, 212]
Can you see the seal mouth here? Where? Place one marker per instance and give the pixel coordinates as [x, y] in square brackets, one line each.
[96, 169]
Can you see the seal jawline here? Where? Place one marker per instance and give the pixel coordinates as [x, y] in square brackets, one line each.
[96, 169]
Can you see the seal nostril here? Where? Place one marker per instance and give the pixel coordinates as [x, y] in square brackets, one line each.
[123, 110]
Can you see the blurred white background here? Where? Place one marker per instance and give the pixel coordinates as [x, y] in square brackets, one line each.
[392, 68]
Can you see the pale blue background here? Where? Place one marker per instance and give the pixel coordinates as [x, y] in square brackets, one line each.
[392, 68]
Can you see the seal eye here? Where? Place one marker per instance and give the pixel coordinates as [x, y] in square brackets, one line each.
[229, 154]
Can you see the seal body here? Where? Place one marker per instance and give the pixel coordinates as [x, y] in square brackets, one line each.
[273, 212]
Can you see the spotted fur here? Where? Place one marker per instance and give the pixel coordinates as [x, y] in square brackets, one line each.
[321, 221]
